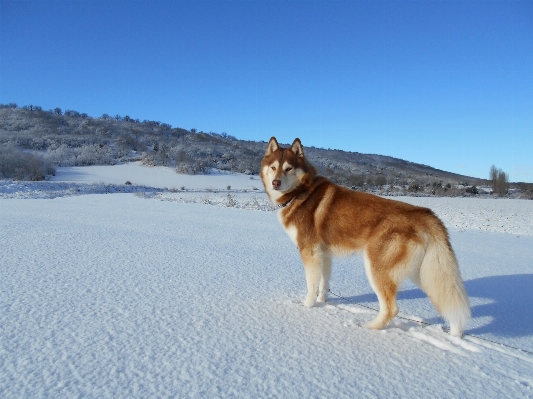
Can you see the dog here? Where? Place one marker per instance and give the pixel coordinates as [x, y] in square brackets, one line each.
[398, 240]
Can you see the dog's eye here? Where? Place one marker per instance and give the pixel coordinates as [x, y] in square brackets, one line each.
[288, 169]
[273, 168]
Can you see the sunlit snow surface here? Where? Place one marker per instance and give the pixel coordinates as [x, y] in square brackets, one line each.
[164, 292]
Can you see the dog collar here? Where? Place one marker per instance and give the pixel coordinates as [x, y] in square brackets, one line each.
[286, 203]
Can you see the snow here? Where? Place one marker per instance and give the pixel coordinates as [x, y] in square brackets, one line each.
[160, 177]
[153, 292]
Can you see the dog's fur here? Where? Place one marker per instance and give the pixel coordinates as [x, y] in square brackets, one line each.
[398, 240]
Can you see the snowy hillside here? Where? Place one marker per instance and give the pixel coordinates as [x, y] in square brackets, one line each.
[151, 290]
[34, 141]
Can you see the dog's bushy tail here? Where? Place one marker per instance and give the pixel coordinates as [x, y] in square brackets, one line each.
[440, 278]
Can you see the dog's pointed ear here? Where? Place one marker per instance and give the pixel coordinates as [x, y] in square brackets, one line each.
[272, 146]
[297, 148]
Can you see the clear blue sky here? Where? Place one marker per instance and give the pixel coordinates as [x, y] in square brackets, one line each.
[444, 83]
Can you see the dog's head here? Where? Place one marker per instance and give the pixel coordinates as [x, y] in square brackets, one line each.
[284, 169]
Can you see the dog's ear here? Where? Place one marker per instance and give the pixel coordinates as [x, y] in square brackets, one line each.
[272, 146]
[297, 148]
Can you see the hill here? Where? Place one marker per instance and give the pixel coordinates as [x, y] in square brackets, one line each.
[34, 141]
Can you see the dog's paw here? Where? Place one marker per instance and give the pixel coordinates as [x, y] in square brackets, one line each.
[375, 324]
[322, 298]
[310, 302]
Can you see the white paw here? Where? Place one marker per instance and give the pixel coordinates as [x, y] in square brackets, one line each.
[310, 302]
[322, 298]
[456, 332]
[375, 324]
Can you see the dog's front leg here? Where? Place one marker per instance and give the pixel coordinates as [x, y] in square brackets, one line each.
[312, 261]
[323, 288]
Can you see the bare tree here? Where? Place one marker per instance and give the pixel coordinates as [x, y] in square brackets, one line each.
[493, 175]
[499, 180]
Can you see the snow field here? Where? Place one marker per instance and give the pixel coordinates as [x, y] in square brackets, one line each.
[247, 192]
[148, 295]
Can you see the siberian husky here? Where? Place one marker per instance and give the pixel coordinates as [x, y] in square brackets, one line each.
[398, 240]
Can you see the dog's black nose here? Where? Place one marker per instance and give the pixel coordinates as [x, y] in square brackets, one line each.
[276, 184]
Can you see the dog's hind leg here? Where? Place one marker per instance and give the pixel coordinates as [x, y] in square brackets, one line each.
[312, 260]
[324, 280]
[385, 289]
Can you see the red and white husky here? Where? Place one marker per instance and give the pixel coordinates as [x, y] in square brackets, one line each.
[398, 240]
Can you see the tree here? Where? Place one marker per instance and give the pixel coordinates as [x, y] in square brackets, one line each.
[381, 180]
[493, 175]
[74, 114]
[499, 180]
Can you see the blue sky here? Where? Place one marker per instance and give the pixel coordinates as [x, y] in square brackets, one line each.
[443, 83]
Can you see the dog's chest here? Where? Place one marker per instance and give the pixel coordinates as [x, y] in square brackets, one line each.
[291, 230]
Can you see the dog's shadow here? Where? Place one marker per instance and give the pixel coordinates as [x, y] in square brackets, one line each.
[509, 310]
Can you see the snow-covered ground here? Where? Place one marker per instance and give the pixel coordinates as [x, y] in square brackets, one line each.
[247, 192]
[154, 291]
[161, 177]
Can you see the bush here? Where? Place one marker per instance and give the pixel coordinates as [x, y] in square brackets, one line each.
[526, 190]
[381, 181]
[148, 159]
[18, 165]
[472, 190]
[356, 181]
[230, 201]
[192, 168]
[414, 188]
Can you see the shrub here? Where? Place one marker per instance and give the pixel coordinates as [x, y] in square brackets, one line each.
[381, 180]
[192, 168]
[414, 188]
[526, 190]
[230, 201]
[148, 159]
[472, 190]
[356, 181]
[19, 165]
